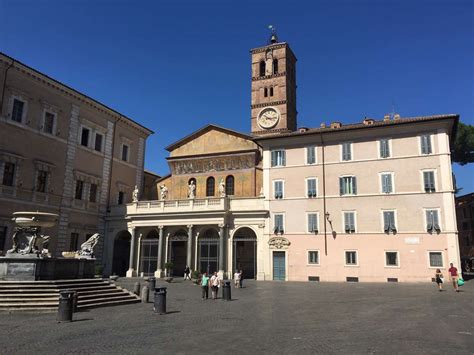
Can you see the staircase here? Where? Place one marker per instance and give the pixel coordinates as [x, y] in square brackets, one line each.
[43, 296]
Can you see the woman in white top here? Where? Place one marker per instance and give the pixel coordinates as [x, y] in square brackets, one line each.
[237, 279]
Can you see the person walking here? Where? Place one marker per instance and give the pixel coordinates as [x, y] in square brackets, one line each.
[241, 280]
[187, 272]
[205, 286]
[214, 285]
[453, 274]
[237, 279]
[439, 279]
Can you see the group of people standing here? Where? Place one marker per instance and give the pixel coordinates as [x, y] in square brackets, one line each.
[453, 275]
[214, 283]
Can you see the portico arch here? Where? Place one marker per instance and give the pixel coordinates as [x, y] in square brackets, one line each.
[208, 250]
[244, 251]
[121, 253]
[149, 253]
[178, 251]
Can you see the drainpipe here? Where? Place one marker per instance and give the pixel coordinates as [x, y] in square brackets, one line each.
[5, 84]
[324, 198]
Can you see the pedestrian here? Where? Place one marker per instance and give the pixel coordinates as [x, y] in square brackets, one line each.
[237, 279]
[241, 279]
[214, 285]
[453, 274]
[439, 279]
[205, 286]
[187, 272]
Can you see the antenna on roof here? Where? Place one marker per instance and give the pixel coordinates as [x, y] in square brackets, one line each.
[273, 36]
[392, 113]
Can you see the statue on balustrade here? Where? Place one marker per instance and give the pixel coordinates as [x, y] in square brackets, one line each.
[221, 188]
[135, 194]
[191, 189]
[163, 192]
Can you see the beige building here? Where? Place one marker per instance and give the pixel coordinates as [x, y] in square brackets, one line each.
[63, 152]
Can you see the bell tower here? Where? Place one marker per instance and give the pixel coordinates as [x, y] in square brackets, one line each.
[273, 106]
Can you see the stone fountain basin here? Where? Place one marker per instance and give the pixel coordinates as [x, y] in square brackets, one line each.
[35, 219]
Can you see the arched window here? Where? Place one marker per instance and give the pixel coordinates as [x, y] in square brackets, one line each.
[210, 186]
[275, 66]
[271, 91]
[229, 185]
[265, 92]
[262, 68]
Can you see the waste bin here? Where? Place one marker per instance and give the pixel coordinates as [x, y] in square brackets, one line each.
[226, 296]
[66, 306]
[159, 301]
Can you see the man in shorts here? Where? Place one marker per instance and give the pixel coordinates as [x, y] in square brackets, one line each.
[453, 274]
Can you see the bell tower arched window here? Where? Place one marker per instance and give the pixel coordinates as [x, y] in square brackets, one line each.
[271, 91]
[275, 66]
[262, 68]
[265, 92]
[210, 186]
[229, 185]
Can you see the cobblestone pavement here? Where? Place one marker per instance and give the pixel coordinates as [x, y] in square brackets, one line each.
[264, 317]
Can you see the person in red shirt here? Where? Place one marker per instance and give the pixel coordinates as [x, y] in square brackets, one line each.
[453, 274]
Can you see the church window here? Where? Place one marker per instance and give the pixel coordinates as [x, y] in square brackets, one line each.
[229, 185]
[275, 66]
[271, 91]
[210, 184]
[262, 68]
[265, 92]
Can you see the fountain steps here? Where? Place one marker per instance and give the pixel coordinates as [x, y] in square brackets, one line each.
[43, 296]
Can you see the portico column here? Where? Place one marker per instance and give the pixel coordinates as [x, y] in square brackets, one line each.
[131, 270]
[221, 249]
[189, 254]
[159, 263]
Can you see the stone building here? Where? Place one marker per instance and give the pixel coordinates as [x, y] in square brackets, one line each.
[465, 221]
[63, 152]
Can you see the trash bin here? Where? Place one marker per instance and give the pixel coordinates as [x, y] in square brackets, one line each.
[66, 306]
[226, 296]
[159, 301]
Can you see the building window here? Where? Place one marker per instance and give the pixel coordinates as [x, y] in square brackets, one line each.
[73, 241]
[265, 92]
[49, 119]
[426, 144]
[271, 90]
[278, 189]
[351, 257]
[389, 222]
[41, 181]
[79, 189]
[3, 237]
[93, 193]
[262, 68]
[346, 151]
[17, 110]
[465, 226]
[312, 222]
[311, 189]
[313, 257]
[85, 136]
[349, 222]
[8, 174]
[391, 258]
[210, 186]
[384, 148]
[121, 197]
[311, 155]
[432, 221]
[125, 152]
[387, 186]
[229, 185]
[347, 185]
[98, 142]
[278, 157]
[436, 259]
[275, 66]
[278, 227]
[429, 181]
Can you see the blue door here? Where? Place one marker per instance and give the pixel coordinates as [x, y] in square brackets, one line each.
[279, 265]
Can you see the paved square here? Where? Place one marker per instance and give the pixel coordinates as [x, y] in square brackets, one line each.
[264, 317]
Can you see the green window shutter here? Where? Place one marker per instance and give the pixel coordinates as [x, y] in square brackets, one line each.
[341, 186]
[354, 185]
[273, 158]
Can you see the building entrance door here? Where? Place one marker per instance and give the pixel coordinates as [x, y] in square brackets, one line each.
[208, 248]
[149, 256]
[279, 271]
[178, 257]
[245, 252]
[121, 254]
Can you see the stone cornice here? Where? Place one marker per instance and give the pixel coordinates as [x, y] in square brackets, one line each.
[272, 46]
[274, 103]
[256, 78]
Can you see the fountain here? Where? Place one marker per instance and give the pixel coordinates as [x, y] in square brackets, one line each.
[29, 258]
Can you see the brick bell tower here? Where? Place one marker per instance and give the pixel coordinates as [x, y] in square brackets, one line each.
[273, 107]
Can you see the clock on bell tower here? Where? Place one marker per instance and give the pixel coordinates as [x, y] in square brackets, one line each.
[273, 108]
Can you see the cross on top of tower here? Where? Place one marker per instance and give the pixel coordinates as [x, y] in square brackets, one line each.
[273, 37]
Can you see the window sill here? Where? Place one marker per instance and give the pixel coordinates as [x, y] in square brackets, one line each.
[313, 265]
[351, 265]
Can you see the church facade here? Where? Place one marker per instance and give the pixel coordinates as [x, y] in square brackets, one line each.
[369, 201]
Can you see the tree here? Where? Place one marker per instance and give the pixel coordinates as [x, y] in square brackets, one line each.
[463, 149]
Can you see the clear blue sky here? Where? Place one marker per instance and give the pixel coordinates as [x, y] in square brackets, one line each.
[175, 66]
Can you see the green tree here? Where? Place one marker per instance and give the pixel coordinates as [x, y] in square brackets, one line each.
[463, 150]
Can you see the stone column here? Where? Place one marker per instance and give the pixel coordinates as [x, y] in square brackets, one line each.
[221, 249]
[131, 270]
[189, 254]
[159, 264]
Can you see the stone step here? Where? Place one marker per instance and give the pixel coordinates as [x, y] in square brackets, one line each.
[29, 296]
[29, 309]
[98, 292]
[28, 300]
[101, 296]
[109, 303]
[24, 286]
[54, 281]
[29, 304]
[29, 291]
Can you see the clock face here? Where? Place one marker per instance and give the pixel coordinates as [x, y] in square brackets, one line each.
[268, 118]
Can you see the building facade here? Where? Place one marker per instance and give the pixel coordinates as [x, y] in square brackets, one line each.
[63, 152]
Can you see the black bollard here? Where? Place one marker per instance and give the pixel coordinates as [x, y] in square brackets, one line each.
[226, 296]
[136, 288]
[65, 308]
[159, 300]
[152, 285]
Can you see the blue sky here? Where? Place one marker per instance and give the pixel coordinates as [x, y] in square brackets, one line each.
[175, 66]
